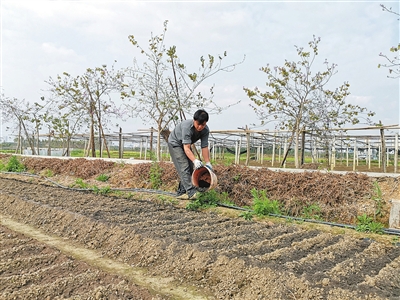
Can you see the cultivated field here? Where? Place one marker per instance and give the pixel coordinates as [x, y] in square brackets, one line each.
[58, 243]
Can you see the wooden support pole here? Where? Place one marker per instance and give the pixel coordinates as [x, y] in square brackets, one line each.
[273, 151]
[248, 146]
[383, 145]
[396, 152]
[369, 155]
[120, 147]
[354, 154]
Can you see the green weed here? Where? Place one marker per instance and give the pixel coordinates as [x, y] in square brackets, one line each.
[247, 215]
[14, 165]
[205, 200]
[262, 205]
[155, 175]
[378, 200]
[48, 173]
[311, 212]
[366, 224]
[103, 177]
[236, 177]
[80, 183]
[101, 191]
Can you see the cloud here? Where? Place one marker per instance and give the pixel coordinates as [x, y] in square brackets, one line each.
[58, 52]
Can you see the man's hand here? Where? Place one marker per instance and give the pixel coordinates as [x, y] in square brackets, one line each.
[208, 165]
[197, 164]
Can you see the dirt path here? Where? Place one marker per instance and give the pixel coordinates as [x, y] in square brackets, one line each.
[104, 243]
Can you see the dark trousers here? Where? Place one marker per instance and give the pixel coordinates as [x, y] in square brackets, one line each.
[184, 167]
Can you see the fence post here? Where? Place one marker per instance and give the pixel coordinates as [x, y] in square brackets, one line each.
[303, 144]
[383, 151]
[273, 151]
[247, 146]
[121, 150]
[396, 151]
[354, 154]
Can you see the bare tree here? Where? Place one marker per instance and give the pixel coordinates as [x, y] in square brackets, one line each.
[23, 114]
[298, 99]
[92, 94]
[162, 91]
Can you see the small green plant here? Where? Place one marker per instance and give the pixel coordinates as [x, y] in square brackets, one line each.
[103, 177]
[262, 205]
[205, 200]
[14, 165]
[155, 175]
[236, 177]
[362, 228]
[375, 227]
[48, 173]
[101, 191]
[363, 219]
[311, 212]
[289, 220]
[119, 194]
[161, 199]
[80, 183]
[247, 215]
[104, 190]
[366, 224]
[378, 200]
[194, 205]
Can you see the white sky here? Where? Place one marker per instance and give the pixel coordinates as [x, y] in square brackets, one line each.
[40, 39]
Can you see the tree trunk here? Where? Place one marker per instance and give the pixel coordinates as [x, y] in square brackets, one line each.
[49, 144]
[296, 151]
[28, 139]
[17, 149]
[288, 149]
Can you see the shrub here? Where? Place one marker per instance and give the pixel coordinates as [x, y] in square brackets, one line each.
[14, 165]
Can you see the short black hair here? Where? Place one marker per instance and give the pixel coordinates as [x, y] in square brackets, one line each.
[200, 116]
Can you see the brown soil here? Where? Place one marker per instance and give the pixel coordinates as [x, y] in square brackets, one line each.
[59, 242]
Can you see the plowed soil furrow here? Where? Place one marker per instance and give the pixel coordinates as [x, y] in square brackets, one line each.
[324, 263]
[42, 272]
[215, 234]
[297, 251]
[18, 265]
[225, 257]
[387, 279]
[21, 249]
[275, 233]
[195, 229]
[373, 266]
[9, 241]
